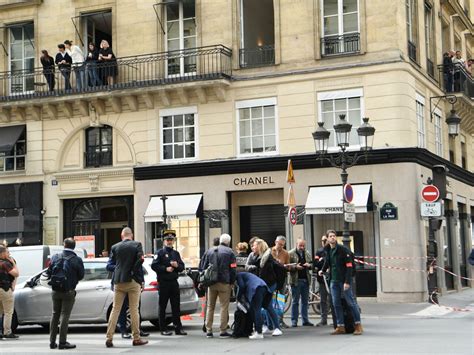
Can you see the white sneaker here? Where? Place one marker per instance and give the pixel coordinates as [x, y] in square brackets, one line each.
[256, 335]
[265, 329]
[277, 332]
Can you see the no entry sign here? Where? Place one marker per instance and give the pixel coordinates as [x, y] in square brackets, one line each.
[348, 193]
[430, 193]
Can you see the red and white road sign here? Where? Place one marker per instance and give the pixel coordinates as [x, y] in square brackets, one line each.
[292, 215]
[430, 193]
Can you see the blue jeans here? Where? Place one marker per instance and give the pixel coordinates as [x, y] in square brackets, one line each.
[256, 308]
[301, 290]
[80, 77]
[92, 74]
[337, 292]
[270, 316]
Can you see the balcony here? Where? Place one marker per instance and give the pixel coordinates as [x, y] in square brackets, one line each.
[199, 71]
[336, 45]
[257, 57]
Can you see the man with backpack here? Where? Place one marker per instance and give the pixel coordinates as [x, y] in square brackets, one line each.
[64, 272]
[223, 257]
[339, 262]
[8, 274]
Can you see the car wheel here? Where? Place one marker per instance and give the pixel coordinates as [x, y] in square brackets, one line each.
[14, 325]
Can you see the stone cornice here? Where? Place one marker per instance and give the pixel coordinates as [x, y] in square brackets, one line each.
[87, 174]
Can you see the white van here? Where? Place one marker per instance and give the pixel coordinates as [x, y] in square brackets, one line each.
[32, 259]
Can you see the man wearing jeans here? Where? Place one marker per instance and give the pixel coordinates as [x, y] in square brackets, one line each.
[64, 296]
[339, 262]
[300, 279]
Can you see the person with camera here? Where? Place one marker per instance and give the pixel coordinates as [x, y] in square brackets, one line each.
[167, 264]
[8, 274]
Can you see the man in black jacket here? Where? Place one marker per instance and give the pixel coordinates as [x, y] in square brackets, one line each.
[339, 262]
[319, 260]
[64, 297]
[167, 264]
[64, 61]
[127, 256]
[226, 265]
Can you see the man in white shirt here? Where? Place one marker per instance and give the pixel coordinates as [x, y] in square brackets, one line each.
[77, 63]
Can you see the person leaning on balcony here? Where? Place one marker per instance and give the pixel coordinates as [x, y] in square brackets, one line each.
[77, 63]
[109, 62]
[469, 66]
[64, 61]
[91, 65]
[448, 71]
[48, 68]
[458, 63]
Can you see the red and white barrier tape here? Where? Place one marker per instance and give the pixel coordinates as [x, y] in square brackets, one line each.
[391, 257]
[388, 267]
[452, 273]
[454, 309]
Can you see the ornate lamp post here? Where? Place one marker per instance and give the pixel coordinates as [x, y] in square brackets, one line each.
[343, 159]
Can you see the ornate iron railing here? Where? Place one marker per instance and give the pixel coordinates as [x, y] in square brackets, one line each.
[257, 57]
[334, 45]
[195, 64]
[456, 80]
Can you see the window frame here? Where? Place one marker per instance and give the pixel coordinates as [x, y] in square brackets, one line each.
[412, 21]
[87, 146]
[271, 101]
[420, 121]
[24, 58]
[340, 19]
[189, 110]
[336, 95]
[15, 156]
[180, 38]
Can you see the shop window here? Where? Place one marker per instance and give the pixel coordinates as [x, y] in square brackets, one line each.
[420, 120]
[98, 146]
[187, 241]
[340, 27]
[13, 158]
[180, 37]
[332, 104]
[178, 134]
[257, 127]
[257, 22]
[21, 57]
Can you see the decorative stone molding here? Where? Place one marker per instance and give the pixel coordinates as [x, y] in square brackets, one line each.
[84, 174]
[94, 182]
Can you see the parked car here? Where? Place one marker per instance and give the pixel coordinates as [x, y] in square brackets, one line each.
[34, 258]
[94, 298]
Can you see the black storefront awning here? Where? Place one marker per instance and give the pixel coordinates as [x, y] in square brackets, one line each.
[8, 138]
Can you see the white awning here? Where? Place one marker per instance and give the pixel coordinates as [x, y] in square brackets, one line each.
[177, 207]
[328, 199]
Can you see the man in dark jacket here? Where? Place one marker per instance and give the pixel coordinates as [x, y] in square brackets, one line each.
[167, 264]
[339, 262]
[127, 256]
[63, 298]
[64, 61]
[226, 264]
[448, 69]
[319, 260]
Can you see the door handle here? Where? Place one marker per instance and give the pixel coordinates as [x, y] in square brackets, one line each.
[100, 288]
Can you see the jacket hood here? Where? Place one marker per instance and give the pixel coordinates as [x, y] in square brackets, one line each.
[265, 257]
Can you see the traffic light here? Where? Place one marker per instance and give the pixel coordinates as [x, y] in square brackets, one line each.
[439, 179]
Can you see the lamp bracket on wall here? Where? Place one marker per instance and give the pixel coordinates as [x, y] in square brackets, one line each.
[450, 98]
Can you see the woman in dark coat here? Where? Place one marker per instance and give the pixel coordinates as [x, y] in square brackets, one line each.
[48, 68]
[91, 65]
[108, 62]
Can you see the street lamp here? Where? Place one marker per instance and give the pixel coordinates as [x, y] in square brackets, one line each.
[453, 120]
[343, 159]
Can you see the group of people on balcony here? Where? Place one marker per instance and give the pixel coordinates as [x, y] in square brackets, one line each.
[455, 71]
[98, 67]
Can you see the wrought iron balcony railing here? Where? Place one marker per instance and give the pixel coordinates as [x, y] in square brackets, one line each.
[195, 64]
[97, 159]
[257, 57]
[345, 44]
[456, 80]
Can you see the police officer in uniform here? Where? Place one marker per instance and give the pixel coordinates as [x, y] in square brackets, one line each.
[167, 264]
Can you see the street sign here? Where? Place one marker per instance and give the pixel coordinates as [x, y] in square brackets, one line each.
[430, 193]
[348, 193]
[349, 207]
[350, 217]
[431, 209]
[292, 215]
[388, 212]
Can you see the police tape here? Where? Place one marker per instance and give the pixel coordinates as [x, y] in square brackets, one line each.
[392, 257]
[454, 309]
[432, 265]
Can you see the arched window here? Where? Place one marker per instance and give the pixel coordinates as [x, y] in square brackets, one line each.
[98, 146]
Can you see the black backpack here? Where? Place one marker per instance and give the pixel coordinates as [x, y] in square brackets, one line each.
[59, 274]
[243, 325]
[209, 276]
